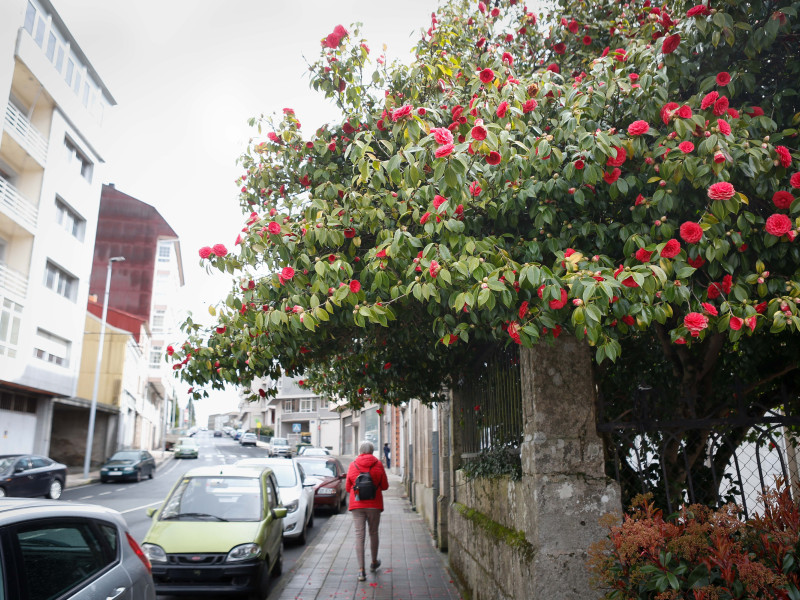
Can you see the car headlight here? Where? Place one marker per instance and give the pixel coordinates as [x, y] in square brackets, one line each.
[155, 553]
[326, 491]
[129, 469]
[292, 506]
[243, 552]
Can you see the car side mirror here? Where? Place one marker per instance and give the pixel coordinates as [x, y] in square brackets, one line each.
[279, 513]
[307, 484]
[19, 469]
[151, 511]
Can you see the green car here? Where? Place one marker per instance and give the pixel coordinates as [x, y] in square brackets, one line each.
[219, 532]
[186, 447]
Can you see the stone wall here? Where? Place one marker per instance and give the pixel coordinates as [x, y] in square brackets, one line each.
[529, 539]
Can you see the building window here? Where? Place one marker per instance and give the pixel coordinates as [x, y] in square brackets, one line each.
[39, 37]
[77, 87]
[78, 160]
[17, 402]
[59, 59]
[3, 244]
[70, 220]
[86, 94]
[156, 357]
[51, 348]
[60, 281]
[10, 318]
[30, 18]
[70, 71]
[158, 320]
[163, 253]
[308, 405]
[288, 406]
[51, 47]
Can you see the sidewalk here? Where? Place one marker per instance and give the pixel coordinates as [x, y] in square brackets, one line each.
[411, 566]
[75, 479]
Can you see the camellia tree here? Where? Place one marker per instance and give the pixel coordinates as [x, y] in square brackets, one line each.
[619, 172]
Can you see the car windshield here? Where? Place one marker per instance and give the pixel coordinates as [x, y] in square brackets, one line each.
[188, 442]
[280, 442]
[285, 474]
[215, 499]
[5, 463]
[127, 455]
[319, 468]
[315, 452]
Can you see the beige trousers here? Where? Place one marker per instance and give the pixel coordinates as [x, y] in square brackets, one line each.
[361, 518]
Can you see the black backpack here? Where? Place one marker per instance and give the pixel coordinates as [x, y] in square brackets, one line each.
[364, 486]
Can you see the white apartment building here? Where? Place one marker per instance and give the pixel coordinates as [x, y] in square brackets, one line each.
[53, 103]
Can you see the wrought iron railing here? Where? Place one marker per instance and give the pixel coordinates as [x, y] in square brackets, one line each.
[17, 206]
[23, 131]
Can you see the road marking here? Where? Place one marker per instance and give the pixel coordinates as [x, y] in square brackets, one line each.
[140, 507]
[87, 497]
[121, 489]
[104, 493]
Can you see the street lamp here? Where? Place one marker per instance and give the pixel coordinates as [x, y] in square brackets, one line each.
[93, 409]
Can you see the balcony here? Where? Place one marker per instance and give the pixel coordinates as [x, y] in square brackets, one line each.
[25, 134]
[13, 284]
[16, 206]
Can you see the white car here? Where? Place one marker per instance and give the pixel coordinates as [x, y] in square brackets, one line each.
[296, 491]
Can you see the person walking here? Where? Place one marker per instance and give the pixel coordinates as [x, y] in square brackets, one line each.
[366, 480]
[387, 454]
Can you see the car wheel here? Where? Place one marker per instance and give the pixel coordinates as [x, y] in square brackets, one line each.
[2, 492]
[138, 476]
[263, 584]
[311, 519]
[343, 505]
[303, 538]
[277, 569]
[55, 490]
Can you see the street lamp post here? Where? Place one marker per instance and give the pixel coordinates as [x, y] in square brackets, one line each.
[93, 409]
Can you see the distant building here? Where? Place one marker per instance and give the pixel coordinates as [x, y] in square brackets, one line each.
[300, 413]
[53, 103]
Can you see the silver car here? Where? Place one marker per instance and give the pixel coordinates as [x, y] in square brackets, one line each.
[70, 552]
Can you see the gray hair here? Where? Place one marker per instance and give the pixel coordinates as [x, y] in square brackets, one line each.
[366, 448]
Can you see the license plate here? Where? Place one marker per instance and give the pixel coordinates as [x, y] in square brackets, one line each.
[115, 473]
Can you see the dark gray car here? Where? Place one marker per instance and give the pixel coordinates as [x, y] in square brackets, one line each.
[70, 552]
[29, 475]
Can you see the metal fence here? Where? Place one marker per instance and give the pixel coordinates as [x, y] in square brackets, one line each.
[708, 460]
[488, 404]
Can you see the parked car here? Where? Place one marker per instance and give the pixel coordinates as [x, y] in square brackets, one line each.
[330, 492]
[31, 475]
[280, 447]
[128, 464]
[219, 532]
[314, 451]
[248, 439]
[296, 491]
[69, 551]
[217, 433]
[187, 447]
[237, 435]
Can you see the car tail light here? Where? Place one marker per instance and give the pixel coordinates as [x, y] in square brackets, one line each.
[138, 551]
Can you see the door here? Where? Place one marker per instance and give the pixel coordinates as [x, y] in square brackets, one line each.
[275, 530]
[42, 475]
[22, 480]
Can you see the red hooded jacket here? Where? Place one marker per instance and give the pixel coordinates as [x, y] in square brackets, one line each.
[362, 464]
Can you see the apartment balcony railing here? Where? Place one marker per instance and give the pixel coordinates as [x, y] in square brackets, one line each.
[13, 284]
[17, 206]
[26, 135]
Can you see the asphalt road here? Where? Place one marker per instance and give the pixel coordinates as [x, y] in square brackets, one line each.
[133, 499]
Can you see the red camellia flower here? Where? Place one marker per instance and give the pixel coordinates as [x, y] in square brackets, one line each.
[494, 158]
[724, 127]
[721, 106]
[434, 269]
[723, 78]
[721, 191]
[671, 43]
[755, 111]
[554, 68]
[782, 199]
[219, 249]
[684, 112]
[629, 320]
[205, 252]
[170, 350]
[691, 232]
[700, 10]
[478, 132]
[619, 159]
[221, 330]
[696, 262]
[778, 225]
[794, 180]
[638, 128]
[381, 253]
[442, 135]
[560, 48]
[709, 309]
[286, 274]
[761, 308]
[736, 323]
[709, 99]
[424, 218]
[274, 228]
[507, 58]
[686, 147]
[355, 286]
[555, 304]
[671, 249]
[667, 111]
[443, 151]
[579, 164]
[573, 26]
[610, 178]
[727, 284]
[523, 310]
[587, 40]
[529, 105]
[349, 233]
[643, 255]
[387, 366]
[475, 188]
[403, 111]
[784, 156]
[502, 109]
[438, 201]
[695, 322]
[487, 75]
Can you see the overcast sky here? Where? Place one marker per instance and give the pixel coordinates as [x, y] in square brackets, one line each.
[186, 75]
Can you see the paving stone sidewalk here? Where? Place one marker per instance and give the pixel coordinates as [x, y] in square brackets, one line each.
[412, 567]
